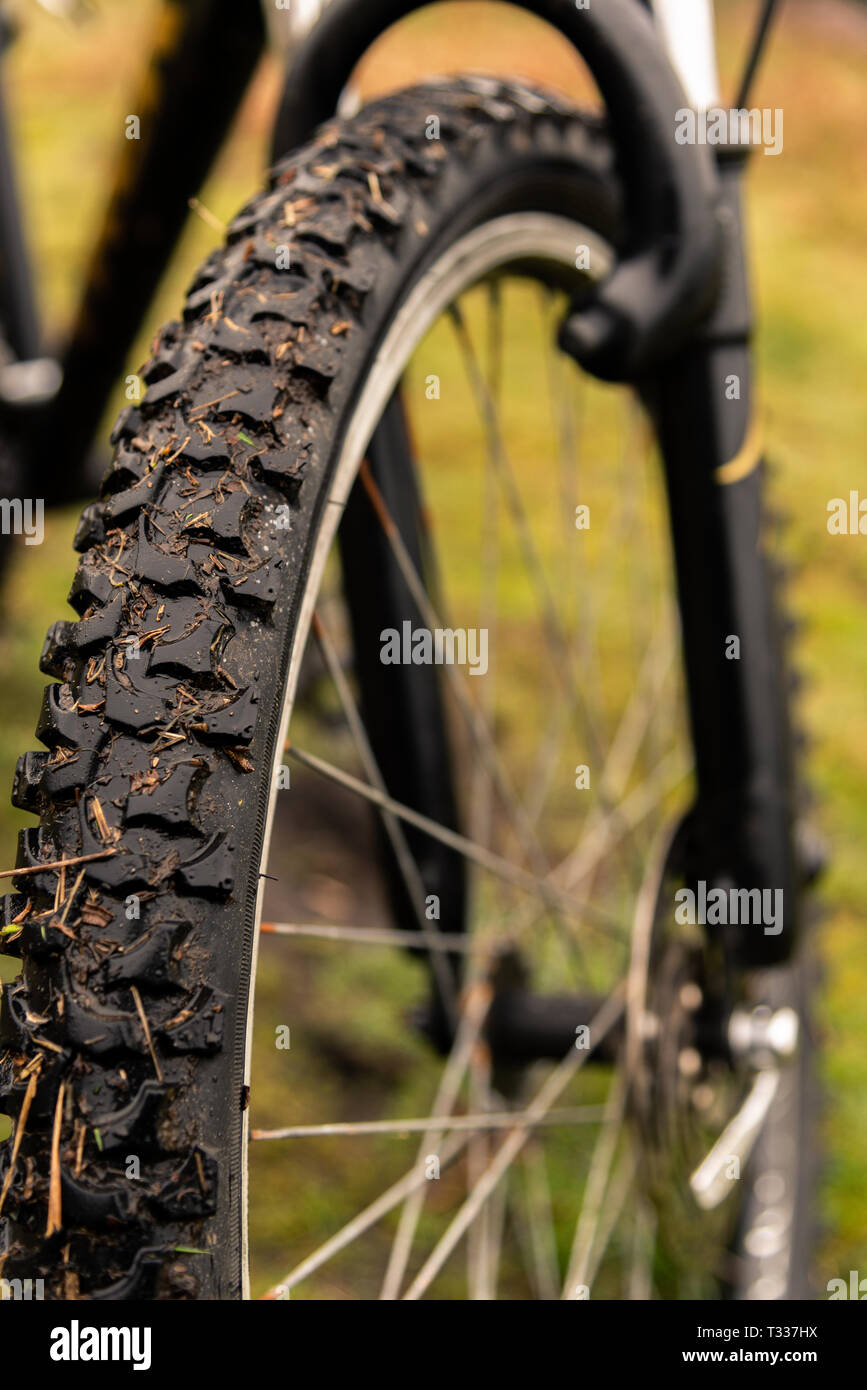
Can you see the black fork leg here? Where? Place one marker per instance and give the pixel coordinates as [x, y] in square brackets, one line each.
[704, 414]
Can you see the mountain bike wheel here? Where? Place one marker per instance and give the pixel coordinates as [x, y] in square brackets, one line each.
[129, 1040]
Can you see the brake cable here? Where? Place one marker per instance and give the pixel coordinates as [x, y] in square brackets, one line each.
[758, 44]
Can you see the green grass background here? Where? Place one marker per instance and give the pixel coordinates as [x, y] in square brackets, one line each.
[69, 93]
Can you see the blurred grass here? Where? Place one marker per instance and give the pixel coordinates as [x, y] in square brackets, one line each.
[69, 93]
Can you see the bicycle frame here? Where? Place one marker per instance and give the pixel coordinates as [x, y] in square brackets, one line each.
[674, 319]
[204, 54]
[25, 377]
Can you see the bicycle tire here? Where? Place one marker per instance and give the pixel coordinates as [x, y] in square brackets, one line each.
[141, 1023]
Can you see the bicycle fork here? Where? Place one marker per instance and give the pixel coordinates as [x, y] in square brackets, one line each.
[703, 404]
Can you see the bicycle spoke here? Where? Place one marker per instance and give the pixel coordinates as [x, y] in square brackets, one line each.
[477, 726]
[503, 868]
[485, 1119]
[492, 1219]
[507, 818]
[409, 869]
[640, 803]
[549, 758]
[628, 737]
[480, 1233]
[476, 1002]
[640, 1286]
[618, 1192]
[481, 736]
[481, 801]
[633, 724]
[559, 647]
[562, 656]
[583, 634]
[605, 1019]
[365, 1219]
[577, 869]
[377, 936]
[597, 1181]
[540, 1223]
